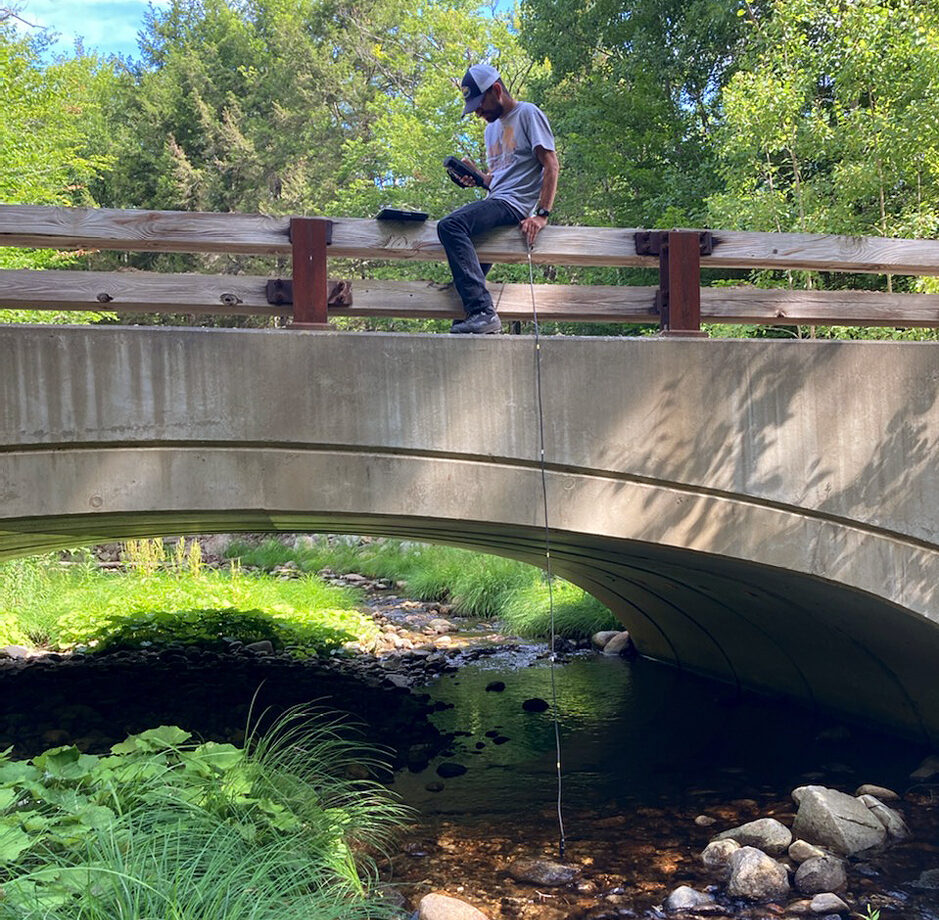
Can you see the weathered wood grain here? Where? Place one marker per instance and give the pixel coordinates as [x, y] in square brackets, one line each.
[135, 292]
[181, 231]
[751, 305]
[154, 292]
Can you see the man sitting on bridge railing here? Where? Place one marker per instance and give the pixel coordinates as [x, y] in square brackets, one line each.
[522, 179]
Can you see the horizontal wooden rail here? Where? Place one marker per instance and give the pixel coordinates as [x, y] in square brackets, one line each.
[155, 292]
[183, 231]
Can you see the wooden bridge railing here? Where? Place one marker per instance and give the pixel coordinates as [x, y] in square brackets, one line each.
[312, 241]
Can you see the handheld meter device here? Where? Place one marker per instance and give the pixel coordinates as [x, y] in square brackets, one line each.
[457, 170]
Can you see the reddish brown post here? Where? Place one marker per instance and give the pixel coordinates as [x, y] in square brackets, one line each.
[684, 284]
[678, 299]
[310, 236]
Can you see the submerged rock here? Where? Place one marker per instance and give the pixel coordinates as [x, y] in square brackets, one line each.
[835, 820]
[756, 876]
[440, 626]
[449, 768]
[766, 834]
[535, 704]
[544, 872]
[928, 880]
[686, 898]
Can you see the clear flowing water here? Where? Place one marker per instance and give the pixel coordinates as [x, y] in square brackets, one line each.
[645, 749]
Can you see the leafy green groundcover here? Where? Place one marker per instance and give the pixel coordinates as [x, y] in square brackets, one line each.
[164, 827]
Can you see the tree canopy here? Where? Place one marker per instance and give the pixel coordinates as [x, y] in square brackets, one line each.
[803, 115]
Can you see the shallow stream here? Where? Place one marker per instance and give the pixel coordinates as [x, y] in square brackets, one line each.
[645, 750]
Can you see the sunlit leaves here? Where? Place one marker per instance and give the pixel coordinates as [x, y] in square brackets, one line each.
[832, 124]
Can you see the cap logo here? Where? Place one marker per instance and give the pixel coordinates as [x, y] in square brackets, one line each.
[465, 90]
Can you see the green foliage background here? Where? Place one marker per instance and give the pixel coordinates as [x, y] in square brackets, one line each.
[803, 115]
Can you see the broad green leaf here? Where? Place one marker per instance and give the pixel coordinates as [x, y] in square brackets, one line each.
[165, 737]
[13, 842]
[66, 763]
[17, 771]
[220, 757]
[34, 900]
[97, 816]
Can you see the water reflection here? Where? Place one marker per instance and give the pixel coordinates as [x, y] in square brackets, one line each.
[638, 732]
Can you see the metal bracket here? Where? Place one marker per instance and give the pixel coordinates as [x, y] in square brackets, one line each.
[678, 299]
[279, 292]
[650, 242]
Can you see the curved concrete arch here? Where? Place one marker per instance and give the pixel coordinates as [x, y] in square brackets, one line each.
[762, 512]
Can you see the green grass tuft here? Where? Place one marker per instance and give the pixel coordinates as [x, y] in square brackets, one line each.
[165, 827]
[576, 613]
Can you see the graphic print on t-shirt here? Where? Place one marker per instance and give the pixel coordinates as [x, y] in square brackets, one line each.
[500, 153]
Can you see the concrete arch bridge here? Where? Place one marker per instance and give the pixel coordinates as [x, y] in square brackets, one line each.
[764, 512]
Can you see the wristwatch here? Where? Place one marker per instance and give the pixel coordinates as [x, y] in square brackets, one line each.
[542, 212]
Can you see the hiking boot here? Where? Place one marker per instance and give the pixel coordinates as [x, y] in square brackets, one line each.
[483, 323]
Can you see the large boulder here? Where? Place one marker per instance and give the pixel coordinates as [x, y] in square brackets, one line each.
[443, 907]
[756, 876]
[766, 834]
[599, 639]
[620, 644]
[892, 820]
[820, 873]
[836, 821]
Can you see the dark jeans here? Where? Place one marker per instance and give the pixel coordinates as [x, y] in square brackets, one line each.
[455, 232]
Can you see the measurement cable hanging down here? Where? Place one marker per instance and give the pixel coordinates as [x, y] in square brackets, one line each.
[547, 548]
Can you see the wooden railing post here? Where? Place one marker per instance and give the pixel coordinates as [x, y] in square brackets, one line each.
[309, 237]
[678, 299]
[684, 284]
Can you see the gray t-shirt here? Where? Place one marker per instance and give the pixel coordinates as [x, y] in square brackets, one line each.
[510, 155]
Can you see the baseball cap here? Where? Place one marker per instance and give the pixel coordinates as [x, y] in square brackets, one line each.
[474, 85]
